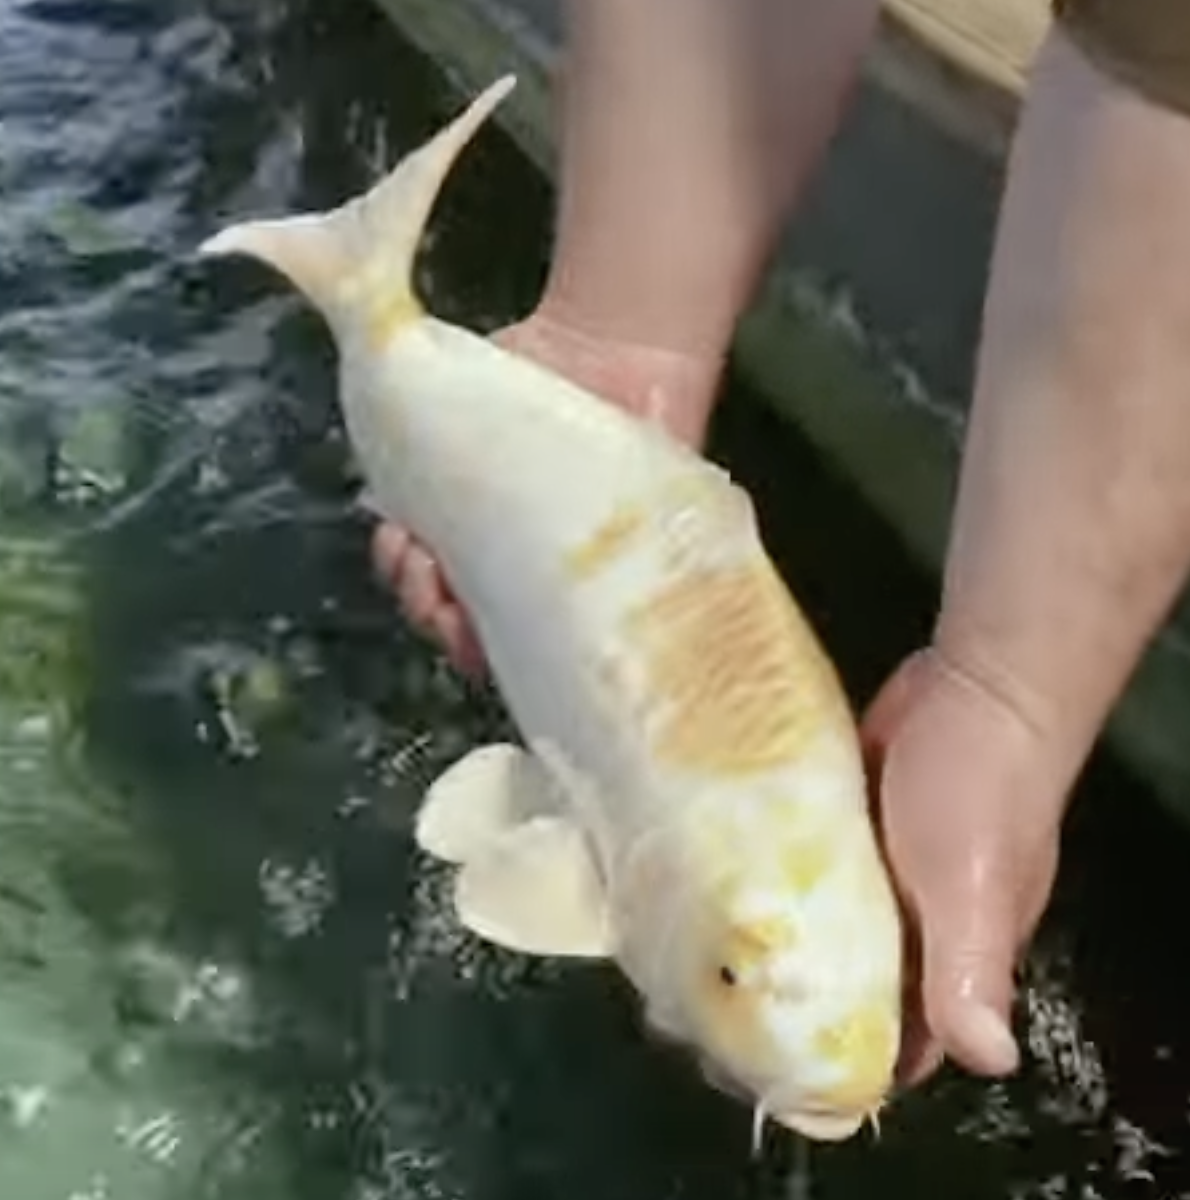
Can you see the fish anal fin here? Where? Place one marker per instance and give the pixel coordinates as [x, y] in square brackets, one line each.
[536, 889]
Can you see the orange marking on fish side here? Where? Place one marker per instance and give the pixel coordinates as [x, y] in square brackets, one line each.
[863, 1046]
[734, 672]
[751, 943]
[804, 861]
[606, 543]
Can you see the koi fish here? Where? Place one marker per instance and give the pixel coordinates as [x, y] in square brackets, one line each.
[686, 798]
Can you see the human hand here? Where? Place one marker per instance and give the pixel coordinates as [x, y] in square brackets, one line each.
[971, 829]
[673, 389]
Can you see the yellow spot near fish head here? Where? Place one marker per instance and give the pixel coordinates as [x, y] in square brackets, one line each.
[608, 541]
[803, 861]
[736, 676]
[863, 1047]
[769, 844]
[750, 945]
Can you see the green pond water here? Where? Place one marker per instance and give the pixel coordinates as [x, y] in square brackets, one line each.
[224, 971]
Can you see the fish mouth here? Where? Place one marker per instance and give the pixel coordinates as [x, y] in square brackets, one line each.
[722, 1081]
[821, 1126]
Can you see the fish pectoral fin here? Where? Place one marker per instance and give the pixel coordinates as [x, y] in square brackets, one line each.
[528, 880]
[536, 889]
[481, 797]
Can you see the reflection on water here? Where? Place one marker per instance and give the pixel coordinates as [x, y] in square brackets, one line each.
[223, 970]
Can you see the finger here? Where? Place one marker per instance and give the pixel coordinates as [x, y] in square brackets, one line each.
[419, 589]
[390, 544]
[459, 639]
[918, 1048]
[969, 955]
[919, 1053]
[887, 710]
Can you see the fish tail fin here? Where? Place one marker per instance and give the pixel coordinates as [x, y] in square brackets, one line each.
[355, 262]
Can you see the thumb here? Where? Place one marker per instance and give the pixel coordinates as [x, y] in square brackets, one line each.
[968, 955]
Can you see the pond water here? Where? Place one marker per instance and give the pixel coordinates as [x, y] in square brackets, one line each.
[224, 972]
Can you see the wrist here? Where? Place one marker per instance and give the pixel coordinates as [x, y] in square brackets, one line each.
[674, 386]
[617, 302]
[1039, 740]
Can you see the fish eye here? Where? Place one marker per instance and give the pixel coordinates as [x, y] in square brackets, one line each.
[727, 976]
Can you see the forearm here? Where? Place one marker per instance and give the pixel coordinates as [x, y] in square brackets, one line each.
[1072, 529]
[688, 128]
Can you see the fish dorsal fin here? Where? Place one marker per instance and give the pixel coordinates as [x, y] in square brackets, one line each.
[536, 889]
[479, 798]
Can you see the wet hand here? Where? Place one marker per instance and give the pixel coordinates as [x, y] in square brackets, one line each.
[674, 389]
[971, 836]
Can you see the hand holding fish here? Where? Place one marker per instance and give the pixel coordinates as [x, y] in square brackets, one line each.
[971, 831]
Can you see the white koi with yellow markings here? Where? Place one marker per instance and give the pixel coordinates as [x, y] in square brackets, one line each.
[690, 800]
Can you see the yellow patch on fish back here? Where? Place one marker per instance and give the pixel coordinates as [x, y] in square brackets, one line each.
[389, 311]
[608, 541]
[863, 1047]
[737, 677]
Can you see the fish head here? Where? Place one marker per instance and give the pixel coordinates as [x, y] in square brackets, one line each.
[787, 990]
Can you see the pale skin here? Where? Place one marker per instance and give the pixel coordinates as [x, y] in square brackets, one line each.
[690, 128]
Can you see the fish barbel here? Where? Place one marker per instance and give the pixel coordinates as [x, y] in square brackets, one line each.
[689, 799]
